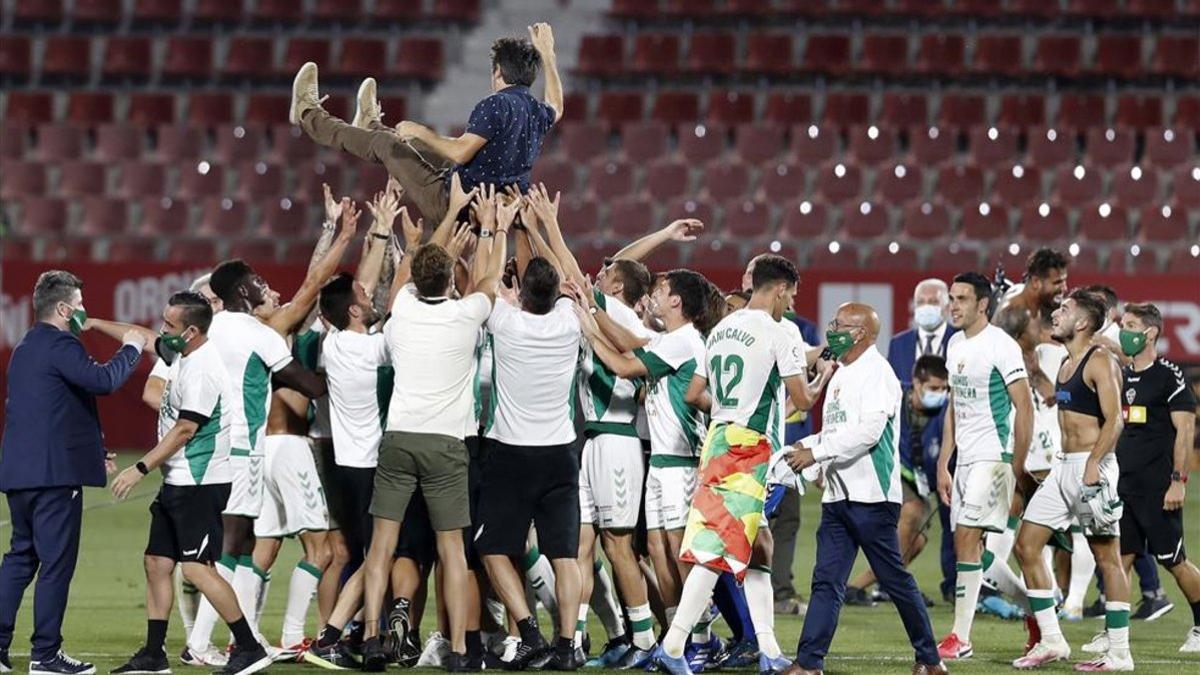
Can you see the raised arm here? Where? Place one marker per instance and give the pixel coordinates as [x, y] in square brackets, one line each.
[684, 230]
[296, 376]
[80, 369]
[547, 212]
[293, 314]
[117, 330]
[623, 364]
[542, 37]
[505, 214]
[460, 149]
[383, 208]
[540, 246]
[458, 200]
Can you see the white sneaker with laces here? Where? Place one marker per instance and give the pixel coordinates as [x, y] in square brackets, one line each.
[210, 657]
[1115, 660]
[1098, 644]
[1043, 653]
[1192, 645]
[509, 653]
[368, 105]
[437, 649]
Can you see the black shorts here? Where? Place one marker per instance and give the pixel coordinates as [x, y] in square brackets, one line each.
[185, 522]
[322, 449]
[417, 541]
[477, 458]
[1146, 527]
[523, 485]
[348, 493]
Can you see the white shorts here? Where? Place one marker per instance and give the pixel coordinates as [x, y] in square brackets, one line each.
[246, 491]
[1058, 503]
[982, 495]
[611, 473]
[669, 492]
[293, 501]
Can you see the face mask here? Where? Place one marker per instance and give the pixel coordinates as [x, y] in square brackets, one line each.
[76, 320]
[175, 343]
[928, 317]
[1132, 342]
[932, 400]
[839, 342]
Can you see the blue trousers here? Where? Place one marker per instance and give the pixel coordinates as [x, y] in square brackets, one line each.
[949, 557]
[45, 542]
[845, 528]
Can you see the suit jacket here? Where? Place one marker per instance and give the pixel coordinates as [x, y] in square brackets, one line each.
[51, 427]
[902, 352]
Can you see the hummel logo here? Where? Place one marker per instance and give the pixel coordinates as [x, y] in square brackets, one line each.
[192, 552]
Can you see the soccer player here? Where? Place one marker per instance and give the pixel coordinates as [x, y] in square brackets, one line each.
[1082, 486]
[503, 138]
[857, 452]
[253, 355]
[1043, 286]
[194, 422]
[1158, 408]
[990, 421]
[747, 357]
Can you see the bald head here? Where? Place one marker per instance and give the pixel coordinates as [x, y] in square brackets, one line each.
[859, 314]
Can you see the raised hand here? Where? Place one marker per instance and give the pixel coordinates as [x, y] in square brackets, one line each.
[545, 208]
[407, 130]
[542, 37]
[333, 209]
[484, 206]
[459, 242]
[350, 214]
[384, 208]
[459, 198]
[686, 229]
[506, 212]
[412, 231]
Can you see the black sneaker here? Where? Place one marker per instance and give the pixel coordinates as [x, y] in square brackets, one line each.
[635, 659]
[354, 638]
[408, 653]
[857, 597]
[398, 623]
[333, 657]
[1150, 609]
[1094, 610]
[374, 659]
[145, 662]
[461, 663]
[61, 664]
[246, 660]
[561, 659]
[527, 653]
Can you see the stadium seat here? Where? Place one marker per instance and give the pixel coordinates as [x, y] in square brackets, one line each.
[264, 251]
[643, 141]
[198, 180]
[655, 54]
[997, 54]
[759, 142]
[239, 142]
[1182, 261]
[222, 216]
[337, 11]
[745, 218]
[1139, 112]
[67, 249]
[1091, 258]
[1175, 55]
[690, 207]
[151, 109]
[710, 53]
[1187, 112]
[619, 107]
[1018, 185]
[685, 9]
[904, 258]
[310, 176]
[698, 143]
[1104, 222]
[630, 216]
[871, 145]
[284, 218]
[768, 54]
[1109, 147]
[131, 249]
[813, 144]
[786, 108]
[259, 180]
[21, 179]
[1080, 111]
[1118, 55]
[268, 109]
[575, 106]
[177, 142]
[397, 11]
[745, 8]
[103, 216]
[804, 219]
[88, 108]
[931, 146]
[940, 53]
[80, 179]
[1057, 54]
[163, 216]
[864, 220]
[127, 58]
[601, 55]
[993, 146]
[15, 247]
[210, 108]
[730, 108]
[827, 54]
[884, 54]
[67, 57]
[420, 58]
[42, 215]
[221, 12]
[188, 58]
[1168, 148]
[723, 180]
[57, 142]
[1076, 185]
[277, 12]
[1154, 8]
[838, 183]
[665, 180]
[14, 142]
[781, 182]
[959, 183]
[456, 11]
[674, 107]
[846, 257]
[899, 184]
[844, 109]
[15, 61]
[140, 180]
[608, 179]
[157, 12]
[985, 222]
[904, 109]
[1163, 224]
[190, 250]
[712, 253]
[579, 214]
[962, 111]
[926, 221]
[1093, 9]
[632, 9]
[369, 179]
[359, 58]
[300, 50]
[558, 173]
[248, 58]
[1133, 187]
[1185, 183]
[1022, 110]
[1049, 147]
[1044, 225]
[28, 108]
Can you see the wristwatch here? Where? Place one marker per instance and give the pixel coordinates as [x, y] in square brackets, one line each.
[141, 467]
[1177, 477]
[485, 234]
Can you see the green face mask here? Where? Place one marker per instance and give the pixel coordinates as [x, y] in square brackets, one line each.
[76, 320]
[176, 343]
[1132, 342]
[839, 341]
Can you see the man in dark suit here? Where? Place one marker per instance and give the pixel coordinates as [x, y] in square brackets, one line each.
[930, 335]
[52, 447]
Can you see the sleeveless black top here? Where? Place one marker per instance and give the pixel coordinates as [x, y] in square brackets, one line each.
[1075, 395]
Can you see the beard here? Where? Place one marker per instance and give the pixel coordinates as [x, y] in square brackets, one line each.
[1062, 339]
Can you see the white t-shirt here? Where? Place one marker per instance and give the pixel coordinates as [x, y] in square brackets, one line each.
[746, 358]
[533, 368]
[251, 351]
[671, 359]
[354, 363]
[198, 386]
[860, 426]
[779, 431]
[981, 368]
[309, 354]
[609, 402]
[161, 369]
[432, 344]
[1047, 432]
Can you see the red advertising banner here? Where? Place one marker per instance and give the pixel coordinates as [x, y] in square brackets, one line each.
[137, 294]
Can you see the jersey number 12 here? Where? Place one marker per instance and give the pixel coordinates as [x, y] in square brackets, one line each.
[726, 377]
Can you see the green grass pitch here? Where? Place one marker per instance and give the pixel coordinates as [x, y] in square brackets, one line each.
[106, 621]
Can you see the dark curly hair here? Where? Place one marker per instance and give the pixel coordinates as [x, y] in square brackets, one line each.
[517, 60]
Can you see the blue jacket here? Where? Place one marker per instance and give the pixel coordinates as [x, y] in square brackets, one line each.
[51, 427]
[902, 352]
[922, 457]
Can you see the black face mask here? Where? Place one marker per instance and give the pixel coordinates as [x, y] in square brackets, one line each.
[167, 355]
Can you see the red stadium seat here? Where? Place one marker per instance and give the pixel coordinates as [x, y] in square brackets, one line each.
[827, 54]
[397, 11]
[926, 221]
[1089, 259]
[140, 180]
[277, 12]
[724, 180]
[1168, 148]
[575, 106]
[127, 57]
[310, 176]
[813, 144]
[1118, 55]
[582, 141]
[223, 217]
[864, 220]
[191, 251]
[1183, 261]
[200, 180]
[56, 142]
[941, 54]
[962, 111]
[42, 215]
[1175, 55]
[689, 207]
[157, 11]
[360, 57]
[268, 109]
[337, 11]
[458, 11]
[674, 107]
[684, 9]
[787, 108]
[1057, 54]
[609, 179]
[14, 142]
[1018, 185]
[131, 249]
[579, 214]
[67, 57]
[151, 109]
[1109, 147]
[601, 55]
[73, 249]
[699, 143]
[301, 50]
[1104, 222]
[265, 251]
[993, 147]
[885, 54]
[903, 109]
[1080, 111]
[1049, 148]
[838, 183]
[1163, 224]
[163, 216]
[871, 145]
[644, 141]
[781, 182]
[757, 143]
[1022, 110]
[1076, 185]
[1044, 224]
[931, 146]
[1185, 183]
[15, 62]
[259, 180]
[81, 179]
[249, 58]
[103, 216]
[633, 9]
[714, 253]
[1093, 8]
[665, 180]
[710, 53]
[1153, 8]
[1139, 112]
[556, 173]
[904, 258]
[899, 183]
[998, 54]
[982, 221]
[369, 178]
[1133, 187]
[178, 142]
[90, 107]
[38, 11]
[846, 257]
[618, 107]
[210, 108]
[239, 143]
[960, 184]
[283, 217]
[844, 109]
[218, 11]
[655, 54]
[188, 58]
[1187, 112]
[730, 107]
[420, 58]
[768, 54]
[20, 179]
[630, 216]
[118, 142]
[28, 108]
[746, 8]
[745, 218]
[803, 219]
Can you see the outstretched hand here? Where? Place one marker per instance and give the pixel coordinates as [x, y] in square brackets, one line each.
[350, 214]
[686, 229]
[459, 198]
[459, 242]
[484, 206]
[333, 209]
[545, 208]
[412, 231]
[542, 37]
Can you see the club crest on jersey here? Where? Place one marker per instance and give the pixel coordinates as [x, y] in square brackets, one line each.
[961, 365]
[1130, 395]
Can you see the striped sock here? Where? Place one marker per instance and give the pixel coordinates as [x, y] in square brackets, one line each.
[1041, 601]
[641, 622]
[1116, 622]
[581, 624]
[970, 577]
[701, 632]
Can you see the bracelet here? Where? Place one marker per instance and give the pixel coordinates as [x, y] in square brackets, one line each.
[384, 237]
[141, 467]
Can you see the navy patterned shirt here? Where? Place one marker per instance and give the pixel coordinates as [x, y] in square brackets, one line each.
[514, 124]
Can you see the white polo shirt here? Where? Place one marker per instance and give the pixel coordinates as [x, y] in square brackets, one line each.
[353, 364]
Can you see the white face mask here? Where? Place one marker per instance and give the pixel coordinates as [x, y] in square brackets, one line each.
[933, 400]
[928, 317]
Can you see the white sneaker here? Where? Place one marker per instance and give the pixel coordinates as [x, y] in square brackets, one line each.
[437, 649]
[304, 92]
[1192, 645]
[1043, 653]
[509, 653]
[1116, 660]
[209, 657]
[368, 105]
[1098, 644]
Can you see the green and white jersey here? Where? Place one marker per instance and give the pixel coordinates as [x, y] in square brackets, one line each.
[198, 389]
[676, 428]
[251, 351]
[358, 368]
[981, 368]
[482, 387]
[306, 348]
[609, 402]
[746, 358]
